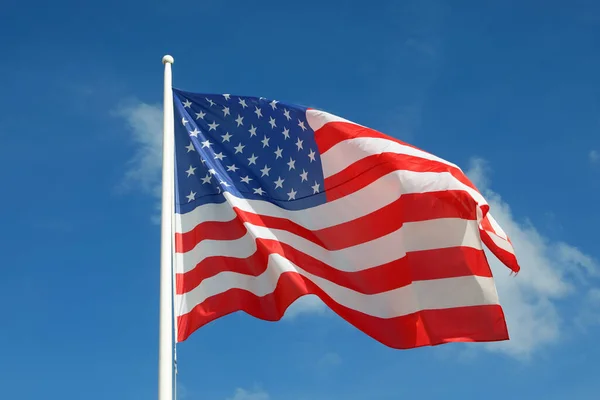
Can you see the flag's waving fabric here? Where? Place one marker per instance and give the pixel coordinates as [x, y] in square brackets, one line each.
[275, 201]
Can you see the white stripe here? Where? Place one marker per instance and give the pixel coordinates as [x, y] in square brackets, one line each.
[413, 236]
[497, 229]
[420, 295]
[378, 194]
[349, 151]
[317, 119]
[501, 243]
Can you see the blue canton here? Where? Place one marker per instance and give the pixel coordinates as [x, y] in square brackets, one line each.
[251, 147]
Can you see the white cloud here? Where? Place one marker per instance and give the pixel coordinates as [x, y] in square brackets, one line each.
[309, 304]
[243, 394]
[329, 360]
[182, 391]
[144, 169]
[551, 272]
[145, 124]
[594, 156]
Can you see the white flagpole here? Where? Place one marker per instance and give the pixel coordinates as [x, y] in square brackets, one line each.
[165, 334]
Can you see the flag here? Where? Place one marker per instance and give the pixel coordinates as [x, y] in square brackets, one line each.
[274, 201]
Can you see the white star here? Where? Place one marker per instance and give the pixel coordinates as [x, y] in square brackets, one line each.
[292, 164]
[239, 148]
[252, 130]
[187, 103]
[301, 125]
[278, 153]
[191, 196]
[252, 159]
[299, 144]
[292, 194]
[190, 171]
[274, 104]
[206, 143]
[246, 179]
[203, 160]
[279, 183]
[272, 122]
[286, 113]
[232, 168]
[311, 155]
[227, 96]
[265, 141]
[226, 137]
[239, 120]
[243, 103]
[259, 191]
[218, 189]
[286, 133]
[206, 179]
[190, 147]
[258, 112]
[212, 103]
[315, 188]
[223, 183]
[220, 156]
[226, 111]
[265, 171]
[184, 121]
[200, 115]
[194, 133]
[213, 126]
[304, 175]
[212, 171]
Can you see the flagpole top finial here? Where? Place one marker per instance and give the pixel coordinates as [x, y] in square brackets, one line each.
[168, 59]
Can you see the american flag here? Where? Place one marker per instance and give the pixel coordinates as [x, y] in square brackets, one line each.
[274, 201]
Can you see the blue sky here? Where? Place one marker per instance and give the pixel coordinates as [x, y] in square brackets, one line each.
[508, 91]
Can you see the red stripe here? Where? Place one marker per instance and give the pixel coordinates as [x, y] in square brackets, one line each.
[486, 224]
[367, 170]
[423, 328]
[334, 132]
[506, 257]
[408, 208]
[414, 266]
